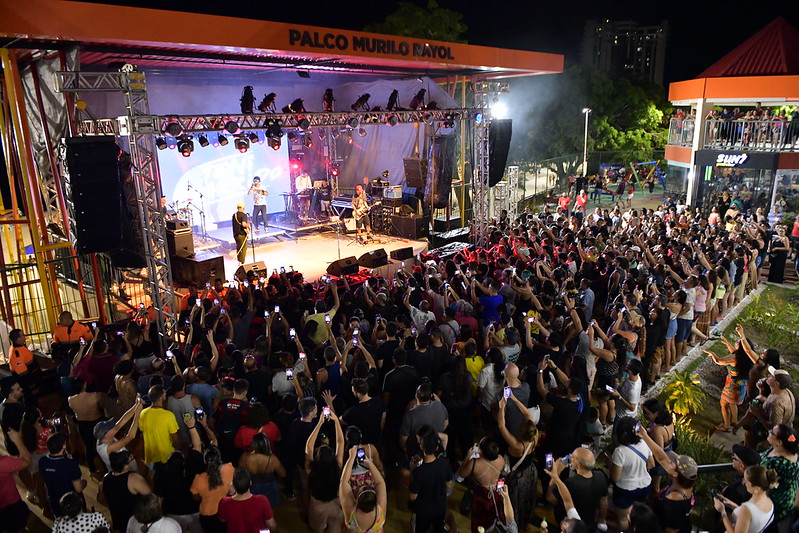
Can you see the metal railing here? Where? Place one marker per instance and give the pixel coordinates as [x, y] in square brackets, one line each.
[755, 135]
[681, 131]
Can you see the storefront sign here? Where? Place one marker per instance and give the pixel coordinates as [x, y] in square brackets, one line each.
[388, 47]
[731, 160]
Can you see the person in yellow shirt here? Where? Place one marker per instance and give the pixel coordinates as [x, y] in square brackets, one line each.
[159, 428]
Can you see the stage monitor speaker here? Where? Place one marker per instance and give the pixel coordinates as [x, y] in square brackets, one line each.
[499, 134]
[410, 227]
[180, 242]
[373, 259]
[401, 254]
[415, 171]
[348, 265]
[259, 268]
[203, 268]
[174, 224]
[96, 192]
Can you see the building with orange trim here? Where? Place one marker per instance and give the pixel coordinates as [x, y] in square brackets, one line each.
[725, 141]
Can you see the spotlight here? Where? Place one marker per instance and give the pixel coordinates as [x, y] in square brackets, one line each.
[362, 102]
[334, 171]
[428, 118]
[295, 107]
[308, 141]
[267, 105]
[348, 136]
[291, 136]
[362, 132]
[303, 123]
[327, 101]
[274, 143]
[185, 145]
[161, 143]
[478, 118]
[392, 120]
[242, 144]
[203, 140]
[274, 128]
[253, 137]
[221, 140]
[449, 120]
[247, 100]
[353, 122]
[418, 100]
[393, 100]
[232, 127]
[174, 129]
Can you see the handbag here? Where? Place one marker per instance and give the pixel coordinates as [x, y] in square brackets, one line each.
[512, 476]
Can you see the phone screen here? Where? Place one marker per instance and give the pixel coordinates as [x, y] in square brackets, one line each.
[277, 309]
[169, 354]
[549, 462]
[507, 392]
[355, 341]
[500, 485]
[327, 319]
[302, 356]
[198, 412]
[289, 373]
[360, 455]
[326, 411]
[609, 388]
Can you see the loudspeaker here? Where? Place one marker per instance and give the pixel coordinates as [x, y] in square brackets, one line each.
[401, 254]
[259, 268]
[499, 134]
[180, 242]
[415, 171]
[373, 259]
[96, 192]
[172, 225]
[410, 227]
[201, 269]
[348, 265]
[440, 183]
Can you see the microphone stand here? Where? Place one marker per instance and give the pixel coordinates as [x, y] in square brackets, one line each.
[202, 211]
[252, 237]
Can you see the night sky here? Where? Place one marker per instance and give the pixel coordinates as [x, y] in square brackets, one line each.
[700, 31]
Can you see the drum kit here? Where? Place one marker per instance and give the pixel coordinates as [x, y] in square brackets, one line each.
[186, 212]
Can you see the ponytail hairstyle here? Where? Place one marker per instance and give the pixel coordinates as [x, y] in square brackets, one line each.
[759, 477]
[213, 467]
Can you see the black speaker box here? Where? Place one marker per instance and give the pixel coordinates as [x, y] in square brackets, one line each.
[174, 224]
[499, 134]
[180, 242]
[410, 227]
[415, 171]
[96, 192]
[373, 259]
[201, 269]
[259, 268]
[401, 254]
[348, 265]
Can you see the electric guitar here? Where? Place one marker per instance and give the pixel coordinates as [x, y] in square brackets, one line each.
[358, 213]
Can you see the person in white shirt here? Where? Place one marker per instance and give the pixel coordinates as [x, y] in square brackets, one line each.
[259, 202]
[629, 470]
[628, 396]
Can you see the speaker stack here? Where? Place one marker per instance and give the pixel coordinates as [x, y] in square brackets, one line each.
[373, 259]
[342, 267]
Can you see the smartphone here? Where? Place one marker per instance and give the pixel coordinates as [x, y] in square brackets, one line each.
[282, 270]
[265, 530]
[531, 319]
[623, 309]
[403, 264]
[507, 392]
[377, 319]
[94, 325]
[476, 452]
[198, 412]
[82, 341]
[266, 314]
[546, 358]
[356, 332]
[198, 302]
[289, 373]
[549, 461]
[327, 319]
[222, 311]
[302, 356]
[714, 493]
[169, 354]
[567, 459]
[355, 341]
[246, 283]
[326, 412]
[292, 333]
[637, 427]
[122, 332]
[186, 416]
[360, 455]
[216, 301]
[609, 388]
[500, 485]
[291, 268]
[414, 331]
[277, 309]
[207, 285]
[141, 306]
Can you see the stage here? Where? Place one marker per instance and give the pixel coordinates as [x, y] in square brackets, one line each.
[309, 253]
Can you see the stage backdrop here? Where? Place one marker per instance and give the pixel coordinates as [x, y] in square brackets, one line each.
[223, 176]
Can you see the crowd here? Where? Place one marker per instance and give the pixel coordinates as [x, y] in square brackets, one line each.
[500, 368]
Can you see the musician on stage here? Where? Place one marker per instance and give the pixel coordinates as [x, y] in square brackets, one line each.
[367, 187]
[259, 202]
[302, 185]
[241, 229]
[360, 211]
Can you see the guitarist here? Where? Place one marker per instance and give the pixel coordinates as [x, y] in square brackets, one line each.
[360, 211]
[241, 229]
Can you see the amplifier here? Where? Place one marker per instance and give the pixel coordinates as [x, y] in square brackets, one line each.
[180, 242]
[202, 269]
[173, 225]
[410, 227]
[393, 191]
[392, 202]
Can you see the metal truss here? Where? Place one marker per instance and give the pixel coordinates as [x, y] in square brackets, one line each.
[217, 123]
[513, 192]
[146, 178]
[480, 188]
[500, 194]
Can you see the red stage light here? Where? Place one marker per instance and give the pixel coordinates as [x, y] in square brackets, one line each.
[334, 172]
[295, 166]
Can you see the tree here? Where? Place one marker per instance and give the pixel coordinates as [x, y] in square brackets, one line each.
[431, 22]
[626, 116]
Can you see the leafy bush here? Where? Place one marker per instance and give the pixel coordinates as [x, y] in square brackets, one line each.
[776, 318]
[683, 393]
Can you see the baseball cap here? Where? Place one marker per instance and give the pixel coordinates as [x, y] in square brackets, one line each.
[240, 204]
[685, 465]
[746, 455]
[782, 376]
[635, 249]
[102, 428]
[777, 371]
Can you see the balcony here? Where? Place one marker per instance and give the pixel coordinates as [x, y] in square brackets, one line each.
[681, 132]
[752, 135]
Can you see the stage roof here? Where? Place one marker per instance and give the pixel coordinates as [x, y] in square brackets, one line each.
[158, 38]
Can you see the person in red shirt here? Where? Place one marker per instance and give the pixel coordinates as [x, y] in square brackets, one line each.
[245, 512]
[13, 511]
[258, 421]
[563, 203]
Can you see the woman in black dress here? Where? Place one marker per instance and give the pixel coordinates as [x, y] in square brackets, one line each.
[780, 246]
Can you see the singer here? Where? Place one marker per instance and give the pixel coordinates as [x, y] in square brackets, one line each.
[241, 228]
[259, 202]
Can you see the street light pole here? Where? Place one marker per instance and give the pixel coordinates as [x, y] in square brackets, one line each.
[586, 112]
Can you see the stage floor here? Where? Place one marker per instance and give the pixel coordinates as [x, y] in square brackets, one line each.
[310, 253]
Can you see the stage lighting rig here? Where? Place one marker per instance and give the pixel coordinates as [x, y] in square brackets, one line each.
[267, 105]
[433, 105]
[362, 102]
[274, 143]
[348, 136]
[449, 120]
[327, 101]
[174, 129]
[418, 99]
[232, 127]
[185, 145]
[353, 122]
[253, 138]
[247, 100]
[362, 132]
[221, 140]
[203, 140]
[274, 128]
[295, 107]
[392, 120]
[303, 123]
[242, 144]
[428, 118]
[292, 137]
[308, 141]
[161, 143]
[393, 100]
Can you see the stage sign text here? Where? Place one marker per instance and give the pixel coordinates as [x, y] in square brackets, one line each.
[390, 47]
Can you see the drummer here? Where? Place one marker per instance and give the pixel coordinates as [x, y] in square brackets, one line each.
[302, 186]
